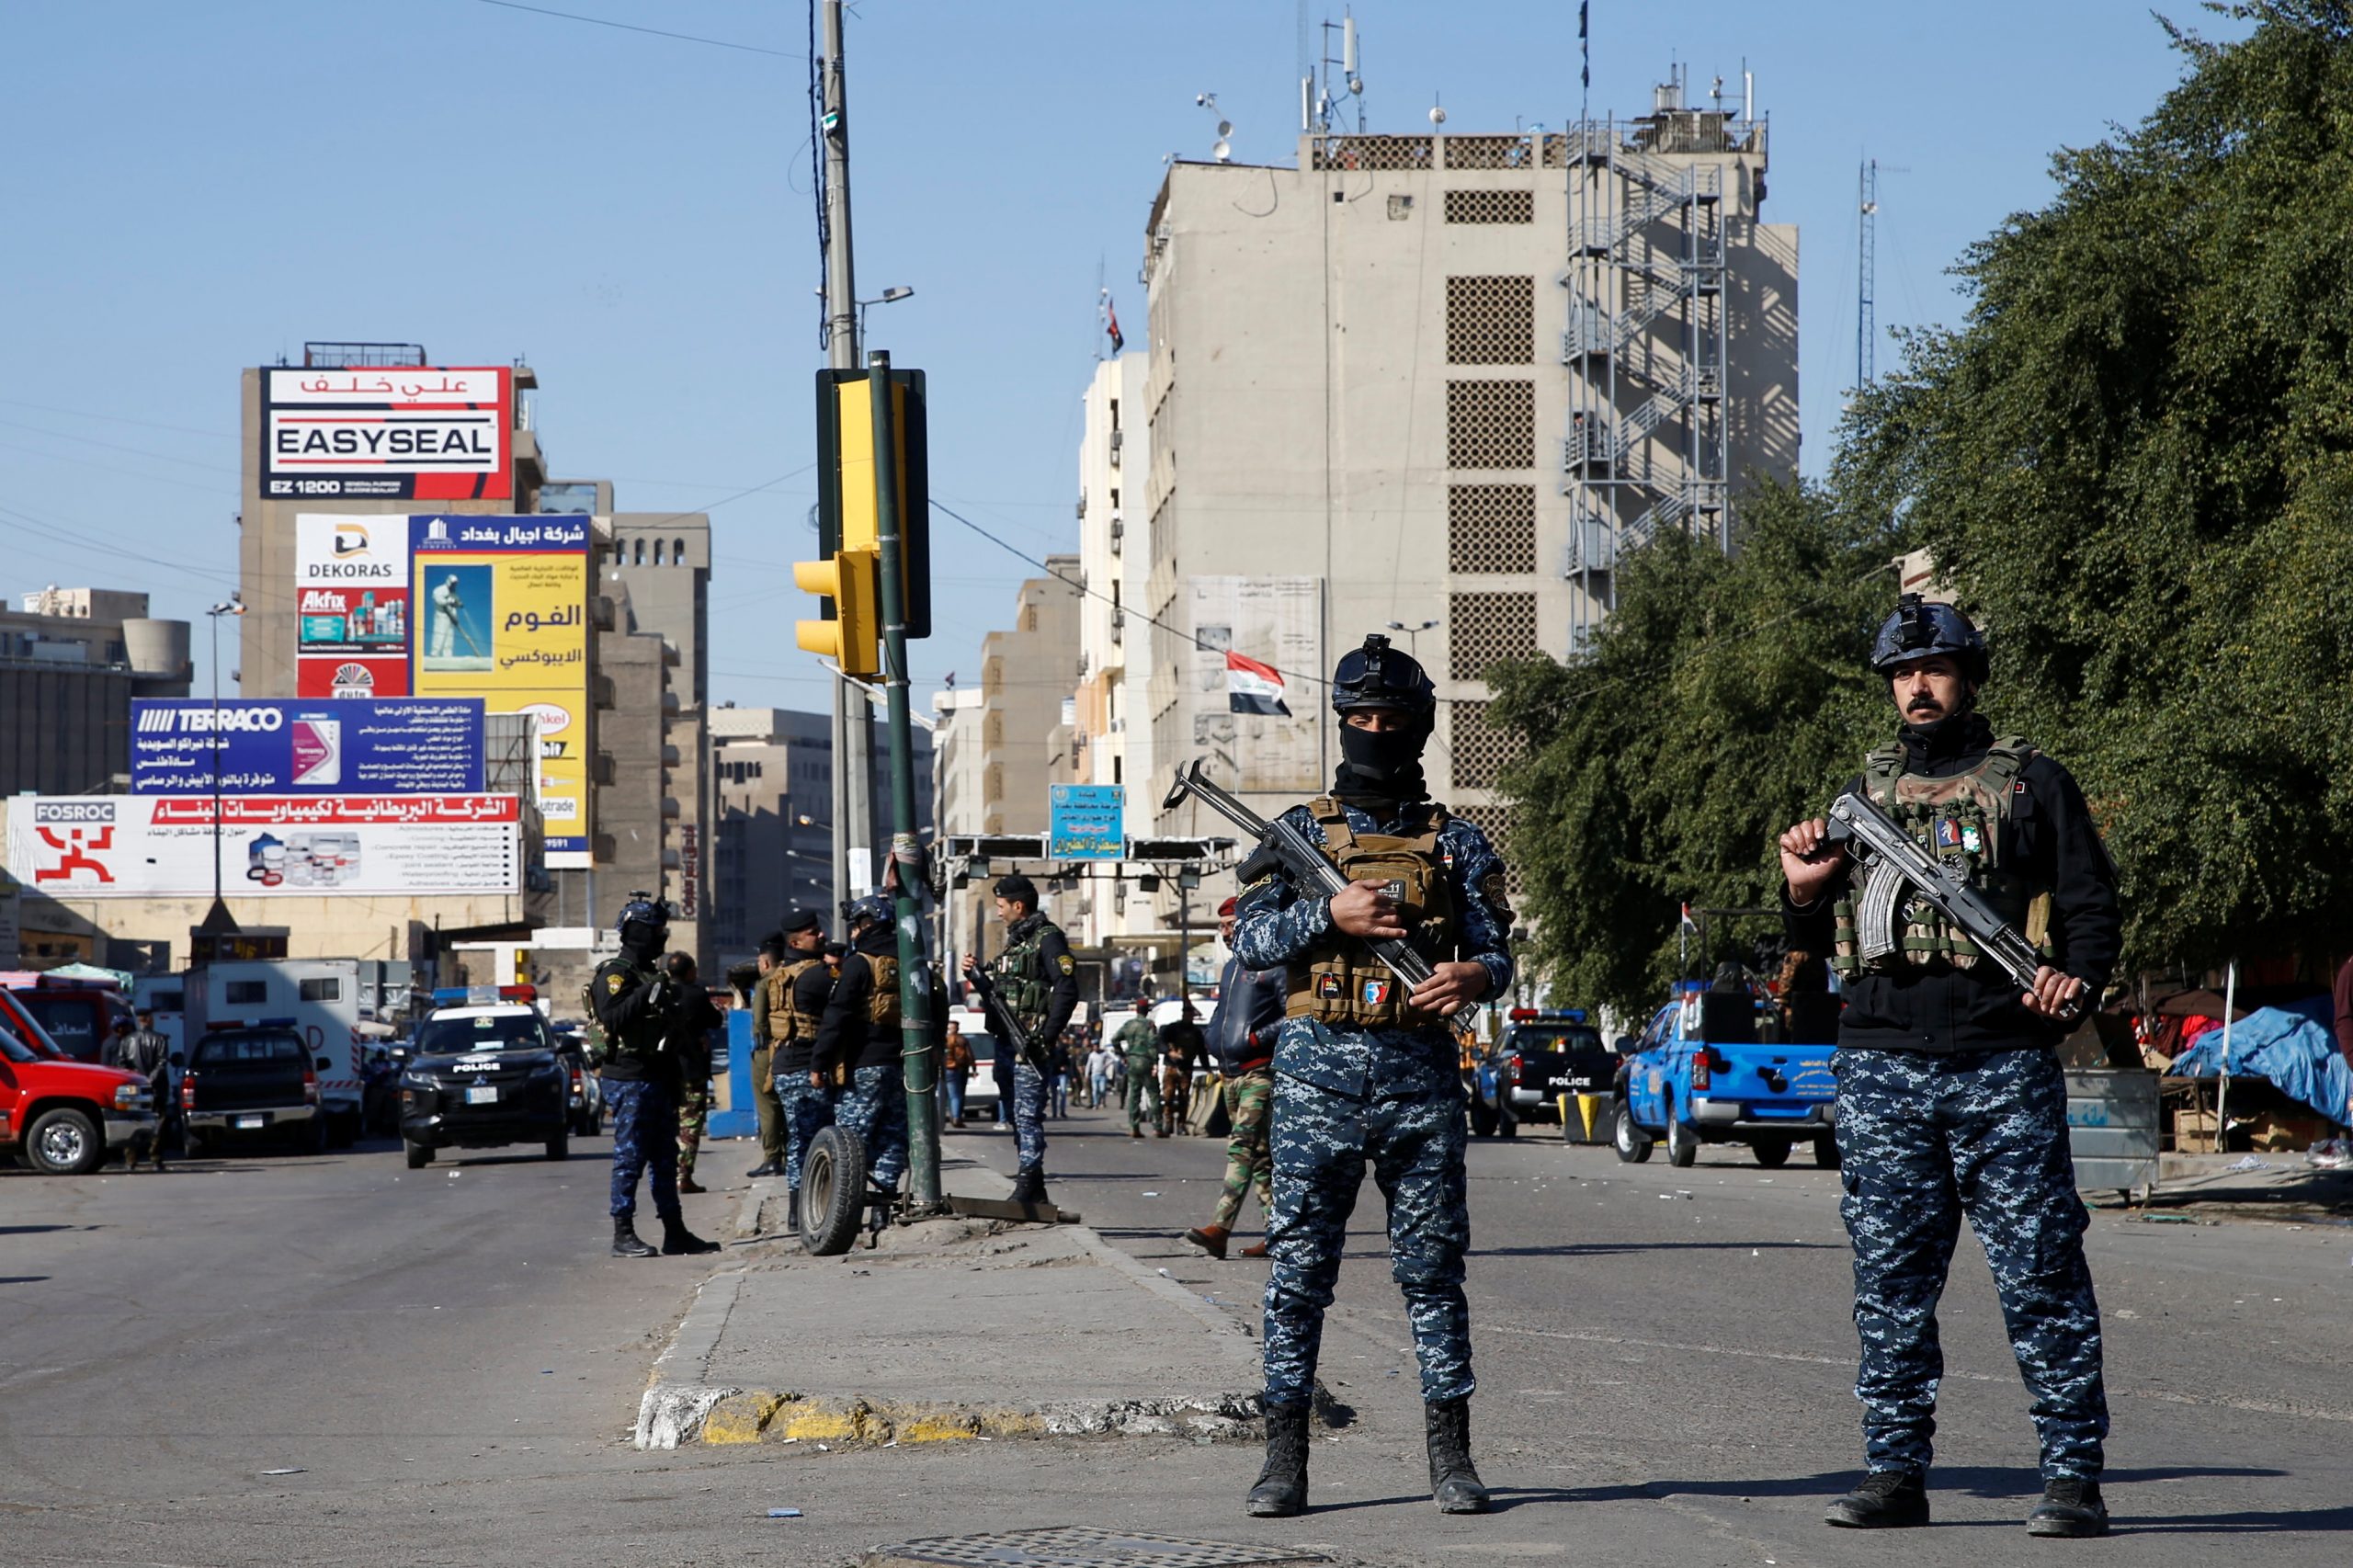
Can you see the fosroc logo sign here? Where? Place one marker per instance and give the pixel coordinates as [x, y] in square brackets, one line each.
[74, 811]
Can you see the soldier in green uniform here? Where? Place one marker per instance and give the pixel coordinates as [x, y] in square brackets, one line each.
[765, 1104]
[1138, 1044]
[1038, 979]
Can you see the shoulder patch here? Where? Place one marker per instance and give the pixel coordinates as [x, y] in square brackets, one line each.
[1494, 889]
[612, 982]
[1069, 964]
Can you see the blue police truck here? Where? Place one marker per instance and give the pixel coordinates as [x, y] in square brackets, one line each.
[1714, 1067]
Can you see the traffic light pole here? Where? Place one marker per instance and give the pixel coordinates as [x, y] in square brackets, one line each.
[915, 991]
[853, 789]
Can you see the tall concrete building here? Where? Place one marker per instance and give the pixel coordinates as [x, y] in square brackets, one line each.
[1440, 382]
[1112, 730]
[71, 661]
[1001, 747]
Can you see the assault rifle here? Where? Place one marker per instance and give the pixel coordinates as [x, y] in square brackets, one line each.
[1890, 862]
[1005, 1026]
[1310, 867]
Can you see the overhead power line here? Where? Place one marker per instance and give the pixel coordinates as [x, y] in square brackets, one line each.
[633, 28]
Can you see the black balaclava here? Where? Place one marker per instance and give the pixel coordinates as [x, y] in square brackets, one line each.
[1961, 732]
[1383, 764]
[646, 941]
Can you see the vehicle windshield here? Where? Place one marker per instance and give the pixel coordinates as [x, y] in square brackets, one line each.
[29, 1026]
[16, 1050]
[227, 1050]
[1555, 1037]
[484, 1031]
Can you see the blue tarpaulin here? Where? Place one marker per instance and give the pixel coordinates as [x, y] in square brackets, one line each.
[2290, 1047]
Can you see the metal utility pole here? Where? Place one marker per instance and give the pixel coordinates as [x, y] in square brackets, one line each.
[915, 989]
[853, 788]
[1866, 276]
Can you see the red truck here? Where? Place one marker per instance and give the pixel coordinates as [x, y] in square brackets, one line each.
[64, 1116]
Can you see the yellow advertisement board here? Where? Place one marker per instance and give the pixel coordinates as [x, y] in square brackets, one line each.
[501, 613]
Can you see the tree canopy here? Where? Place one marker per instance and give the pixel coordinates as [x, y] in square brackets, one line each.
[2133, 464]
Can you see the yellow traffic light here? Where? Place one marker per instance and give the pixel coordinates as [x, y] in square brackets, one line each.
[850, 639]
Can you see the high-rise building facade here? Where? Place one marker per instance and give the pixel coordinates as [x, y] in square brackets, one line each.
[1429, 386]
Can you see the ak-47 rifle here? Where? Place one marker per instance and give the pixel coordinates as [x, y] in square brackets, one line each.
[1889, 861]
[1310, 867]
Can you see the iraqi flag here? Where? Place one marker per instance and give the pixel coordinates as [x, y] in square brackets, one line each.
[1254, 688]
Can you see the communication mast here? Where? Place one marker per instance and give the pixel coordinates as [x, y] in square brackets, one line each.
[1866, 281]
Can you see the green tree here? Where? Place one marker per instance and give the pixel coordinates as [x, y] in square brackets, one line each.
[1725, 697]
[2136, 461]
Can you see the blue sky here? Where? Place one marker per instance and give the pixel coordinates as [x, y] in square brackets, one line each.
[197, 187]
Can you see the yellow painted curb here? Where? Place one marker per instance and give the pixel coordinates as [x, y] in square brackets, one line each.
[739, 1419]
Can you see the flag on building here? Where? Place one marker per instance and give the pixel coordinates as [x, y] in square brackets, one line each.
[1111, 323]
[1254, 688]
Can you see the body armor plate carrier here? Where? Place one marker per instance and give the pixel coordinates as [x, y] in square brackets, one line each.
[1340, 982]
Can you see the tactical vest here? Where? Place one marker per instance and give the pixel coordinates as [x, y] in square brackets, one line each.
[1339, 982]
[882, 1007]
[785, 1021]
[647, 1036]
[1020, 974]
[1963, 822]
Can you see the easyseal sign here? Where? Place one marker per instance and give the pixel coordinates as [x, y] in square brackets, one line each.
[395, 433]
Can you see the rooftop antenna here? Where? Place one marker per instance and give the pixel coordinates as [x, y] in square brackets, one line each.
[1351, 84]
[1866, 268]
[1223, 150]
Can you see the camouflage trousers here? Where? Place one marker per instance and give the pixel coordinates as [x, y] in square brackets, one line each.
[1322, 1143]
[644, 1138]
[1029, 1118]
[805, 1109]
[1249, 1101]
[1143, 1094]
[694, 1116]
[1924, 1141]
[875, 1107]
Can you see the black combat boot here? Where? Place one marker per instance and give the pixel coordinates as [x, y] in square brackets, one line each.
[1883, 1500]
[625, 1242]
[678, 1241]
[1029, 1186]
[2070, 1507]
[792, 1210]
[1281, 1491]
[1454, 1484]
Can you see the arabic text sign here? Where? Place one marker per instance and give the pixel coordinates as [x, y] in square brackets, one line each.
[352, 612]
[307, 746]
[162, 845]
[1086, 822]
[406, 431]
[502, 603]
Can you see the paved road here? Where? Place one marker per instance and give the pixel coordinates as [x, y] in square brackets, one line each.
[1664, 1362]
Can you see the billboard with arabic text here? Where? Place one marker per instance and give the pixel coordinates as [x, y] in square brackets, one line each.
[289, 745]
[424, 432]
[162, 845]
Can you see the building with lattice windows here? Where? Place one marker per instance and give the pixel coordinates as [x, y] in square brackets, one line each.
[1443, 381]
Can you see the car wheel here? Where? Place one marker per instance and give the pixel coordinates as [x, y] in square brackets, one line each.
[195, 1145]
[1506, 1124]
[560, 1146]
[64, 1142]
[419, 1154]
[1682, 1140]
[1633, 1145]
[833, 1190]
[1482, 1120]
[1772, 1153]
[1826, 1150]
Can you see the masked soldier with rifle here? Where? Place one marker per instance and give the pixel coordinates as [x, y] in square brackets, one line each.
[1033, 985]
[1387, 916]
[1982, 917]
[637, 1006]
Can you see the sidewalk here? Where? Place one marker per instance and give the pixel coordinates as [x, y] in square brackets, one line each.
[2259, 1187]
[948, 1330]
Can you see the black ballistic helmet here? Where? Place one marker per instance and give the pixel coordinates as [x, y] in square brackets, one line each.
[644, 922]
[1377, 676]
[1920, 628]
[874, 909]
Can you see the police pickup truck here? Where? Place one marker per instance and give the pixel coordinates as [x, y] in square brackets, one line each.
[1700, 1073]
[1540, 1063]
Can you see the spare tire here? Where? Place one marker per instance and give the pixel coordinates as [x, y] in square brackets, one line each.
[833, 1190]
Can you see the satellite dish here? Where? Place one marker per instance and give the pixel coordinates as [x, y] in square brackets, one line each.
[1224, 150]
[1438, 115]
[1225, 128]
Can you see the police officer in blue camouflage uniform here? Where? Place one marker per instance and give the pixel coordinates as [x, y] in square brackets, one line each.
[1367, 1073]
[860, 1036]
[1951, 1101]
[636, 1005]
[1038, 979]
[796, 991]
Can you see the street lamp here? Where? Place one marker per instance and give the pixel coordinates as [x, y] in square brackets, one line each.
[1413, 636]
[890, 296]
[230, 605]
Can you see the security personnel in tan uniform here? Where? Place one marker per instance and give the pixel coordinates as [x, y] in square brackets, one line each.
[796, 992]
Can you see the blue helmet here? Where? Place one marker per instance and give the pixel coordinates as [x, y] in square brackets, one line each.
[1377, 676]
[874, 908]
[1920, 628]
[644, 921]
